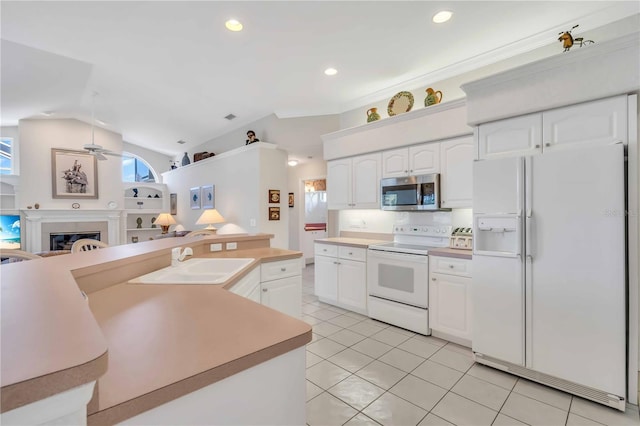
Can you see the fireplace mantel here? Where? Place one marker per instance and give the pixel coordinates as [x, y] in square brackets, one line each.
[36, 218]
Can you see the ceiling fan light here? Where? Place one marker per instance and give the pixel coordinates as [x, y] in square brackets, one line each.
[331, 71]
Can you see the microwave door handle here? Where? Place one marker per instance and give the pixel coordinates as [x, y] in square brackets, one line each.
[418, 194]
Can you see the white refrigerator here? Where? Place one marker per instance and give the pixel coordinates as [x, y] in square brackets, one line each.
[549, 269]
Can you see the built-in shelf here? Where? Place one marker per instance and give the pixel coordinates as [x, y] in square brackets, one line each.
[151, 207]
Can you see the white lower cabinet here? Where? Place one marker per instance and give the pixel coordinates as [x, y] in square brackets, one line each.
[450, 311]
[341, 276]
[281, 286]
[277, 285]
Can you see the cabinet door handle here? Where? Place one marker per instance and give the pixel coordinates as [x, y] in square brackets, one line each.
[350, 253]
[264, 290]
[547, 144]
[538, 146]
[451, 266]
[284, 269]
[433, 279]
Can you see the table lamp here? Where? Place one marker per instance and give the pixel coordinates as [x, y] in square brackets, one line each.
[165, 220]
[209, 217]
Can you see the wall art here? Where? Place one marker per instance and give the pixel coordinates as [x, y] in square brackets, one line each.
[274, 213]
[74, 174]
[194, 198]
[274, 196]
[291, 199]
[208, 194]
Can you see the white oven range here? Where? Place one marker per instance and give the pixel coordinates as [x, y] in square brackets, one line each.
[398, 276]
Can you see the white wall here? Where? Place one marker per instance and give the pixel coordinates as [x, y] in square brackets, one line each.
[37, 137]
[242, 178]
[160, 163]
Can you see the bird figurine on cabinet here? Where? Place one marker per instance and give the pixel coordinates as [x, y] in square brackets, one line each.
[568, 41]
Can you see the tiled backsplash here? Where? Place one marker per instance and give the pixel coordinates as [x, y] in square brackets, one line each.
[379, 221]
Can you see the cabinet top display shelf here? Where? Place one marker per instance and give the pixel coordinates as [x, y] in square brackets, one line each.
[411, 128]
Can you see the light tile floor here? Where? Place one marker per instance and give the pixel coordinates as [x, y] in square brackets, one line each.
[365, 372]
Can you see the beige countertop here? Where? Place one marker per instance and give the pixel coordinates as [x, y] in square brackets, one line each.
[348, 241]
[449, 252]
[53, 340]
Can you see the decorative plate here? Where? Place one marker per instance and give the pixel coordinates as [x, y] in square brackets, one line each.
[401, 102]
[112, 205]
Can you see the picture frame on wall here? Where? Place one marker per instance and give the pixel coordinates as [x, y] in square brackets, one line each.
[274, 196]
[74, 174]
[291, 199]
[194, 198]
[208, 196]
[173, 203]
[274, 213]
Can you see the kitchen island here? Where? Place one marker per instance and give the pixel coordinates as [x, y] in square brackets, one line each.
[167, 345]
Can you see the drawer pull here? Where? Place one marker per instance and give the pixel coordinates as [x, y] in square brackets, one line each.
[284, 269]
[264, 290]
[451, 266]
[433, 279]
[350, 253]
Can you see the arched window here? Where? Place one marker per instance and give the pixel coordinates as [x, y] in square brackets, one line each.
[135, 169]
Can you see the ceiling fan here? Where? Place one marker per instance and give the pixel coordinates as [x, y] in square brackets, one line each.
[97, 150]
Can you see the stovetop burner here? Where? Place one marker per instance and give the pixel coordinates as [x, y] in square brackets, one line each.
[416, 239]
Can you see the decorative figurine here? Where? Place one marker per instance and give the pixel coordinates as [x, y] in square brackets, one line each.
[568, 41]
[156, 196]
[185, 159]
[153, 222]
[372, 115]
[134, 239]
[135, 192]
[251, 137]
[139, 222]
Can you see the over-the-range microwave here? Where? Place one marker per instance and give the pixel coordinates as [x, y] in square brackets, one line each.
[420, 192]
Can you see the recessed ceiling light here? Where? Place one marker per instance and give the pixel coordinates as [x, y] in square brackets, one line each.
[233, 25]
[292, 163]
[331, 71]
[442, 16]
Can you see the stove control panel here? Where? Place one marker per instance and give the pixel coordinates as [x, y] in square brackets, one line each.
[423, 230]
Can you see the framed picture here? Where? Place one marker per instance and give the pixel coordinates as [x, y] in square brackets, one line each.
[274, 196]
[291, 199]
[74, 174]
[274, 213]
[173, 203]
[194, 198]
[208, 194]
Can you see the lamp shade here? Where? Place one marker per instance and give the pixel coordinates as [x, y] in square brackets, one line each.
[165, 220]
[208, 217]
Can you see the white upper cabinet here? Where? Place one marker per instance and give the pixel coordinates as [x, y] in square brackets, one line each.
[424, 159]
[456, 164]
[414, 160]
[395, 163]
[578, 126]
[600, 122]
[510, 137]
[354, 183]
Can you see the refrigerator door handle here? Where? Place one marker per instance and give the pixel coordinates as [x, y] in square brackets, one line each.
[529, 235]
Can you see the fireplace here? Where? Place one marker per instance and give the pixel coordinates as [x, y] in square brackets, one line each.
[41, 224]
[64, 240]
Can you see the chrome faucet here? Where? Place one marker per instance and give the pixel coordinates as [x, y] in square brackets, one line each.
[177, 257]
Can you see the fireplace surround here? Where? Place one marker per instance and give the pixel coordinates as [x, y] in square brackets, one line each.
[39, 224]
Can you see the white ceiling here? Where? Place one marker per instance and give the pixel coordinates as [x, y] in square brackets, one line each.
[169, 70]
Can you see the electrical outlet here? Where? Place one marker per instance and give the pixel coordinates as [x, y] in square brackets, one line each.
[252, 222]
[232, 246]
[215, 247]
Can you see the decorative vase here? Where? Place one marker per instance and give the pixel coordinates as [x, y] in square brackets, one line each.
[185, 159]
[432, 97]
[372, 115]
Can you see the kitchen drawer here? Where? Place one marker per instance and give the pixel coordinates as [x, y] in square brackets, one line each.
[352, 253]
[282, 269]
[326, 250]
[450, 266]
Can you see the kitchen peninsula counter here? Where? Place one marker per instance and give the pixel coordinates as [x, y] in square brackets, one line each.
[162, 341]
[350, 241]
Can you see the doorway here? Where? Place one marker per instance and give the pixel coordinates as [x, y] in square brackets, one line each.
[315, 216]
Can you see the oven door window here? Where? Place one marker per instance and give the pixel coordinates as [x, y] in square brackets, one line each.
[400, 195]
[396, 277]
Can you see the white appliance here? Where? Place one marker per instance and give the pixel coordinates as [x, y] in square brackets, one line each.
[398, 276]
[549, 269]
